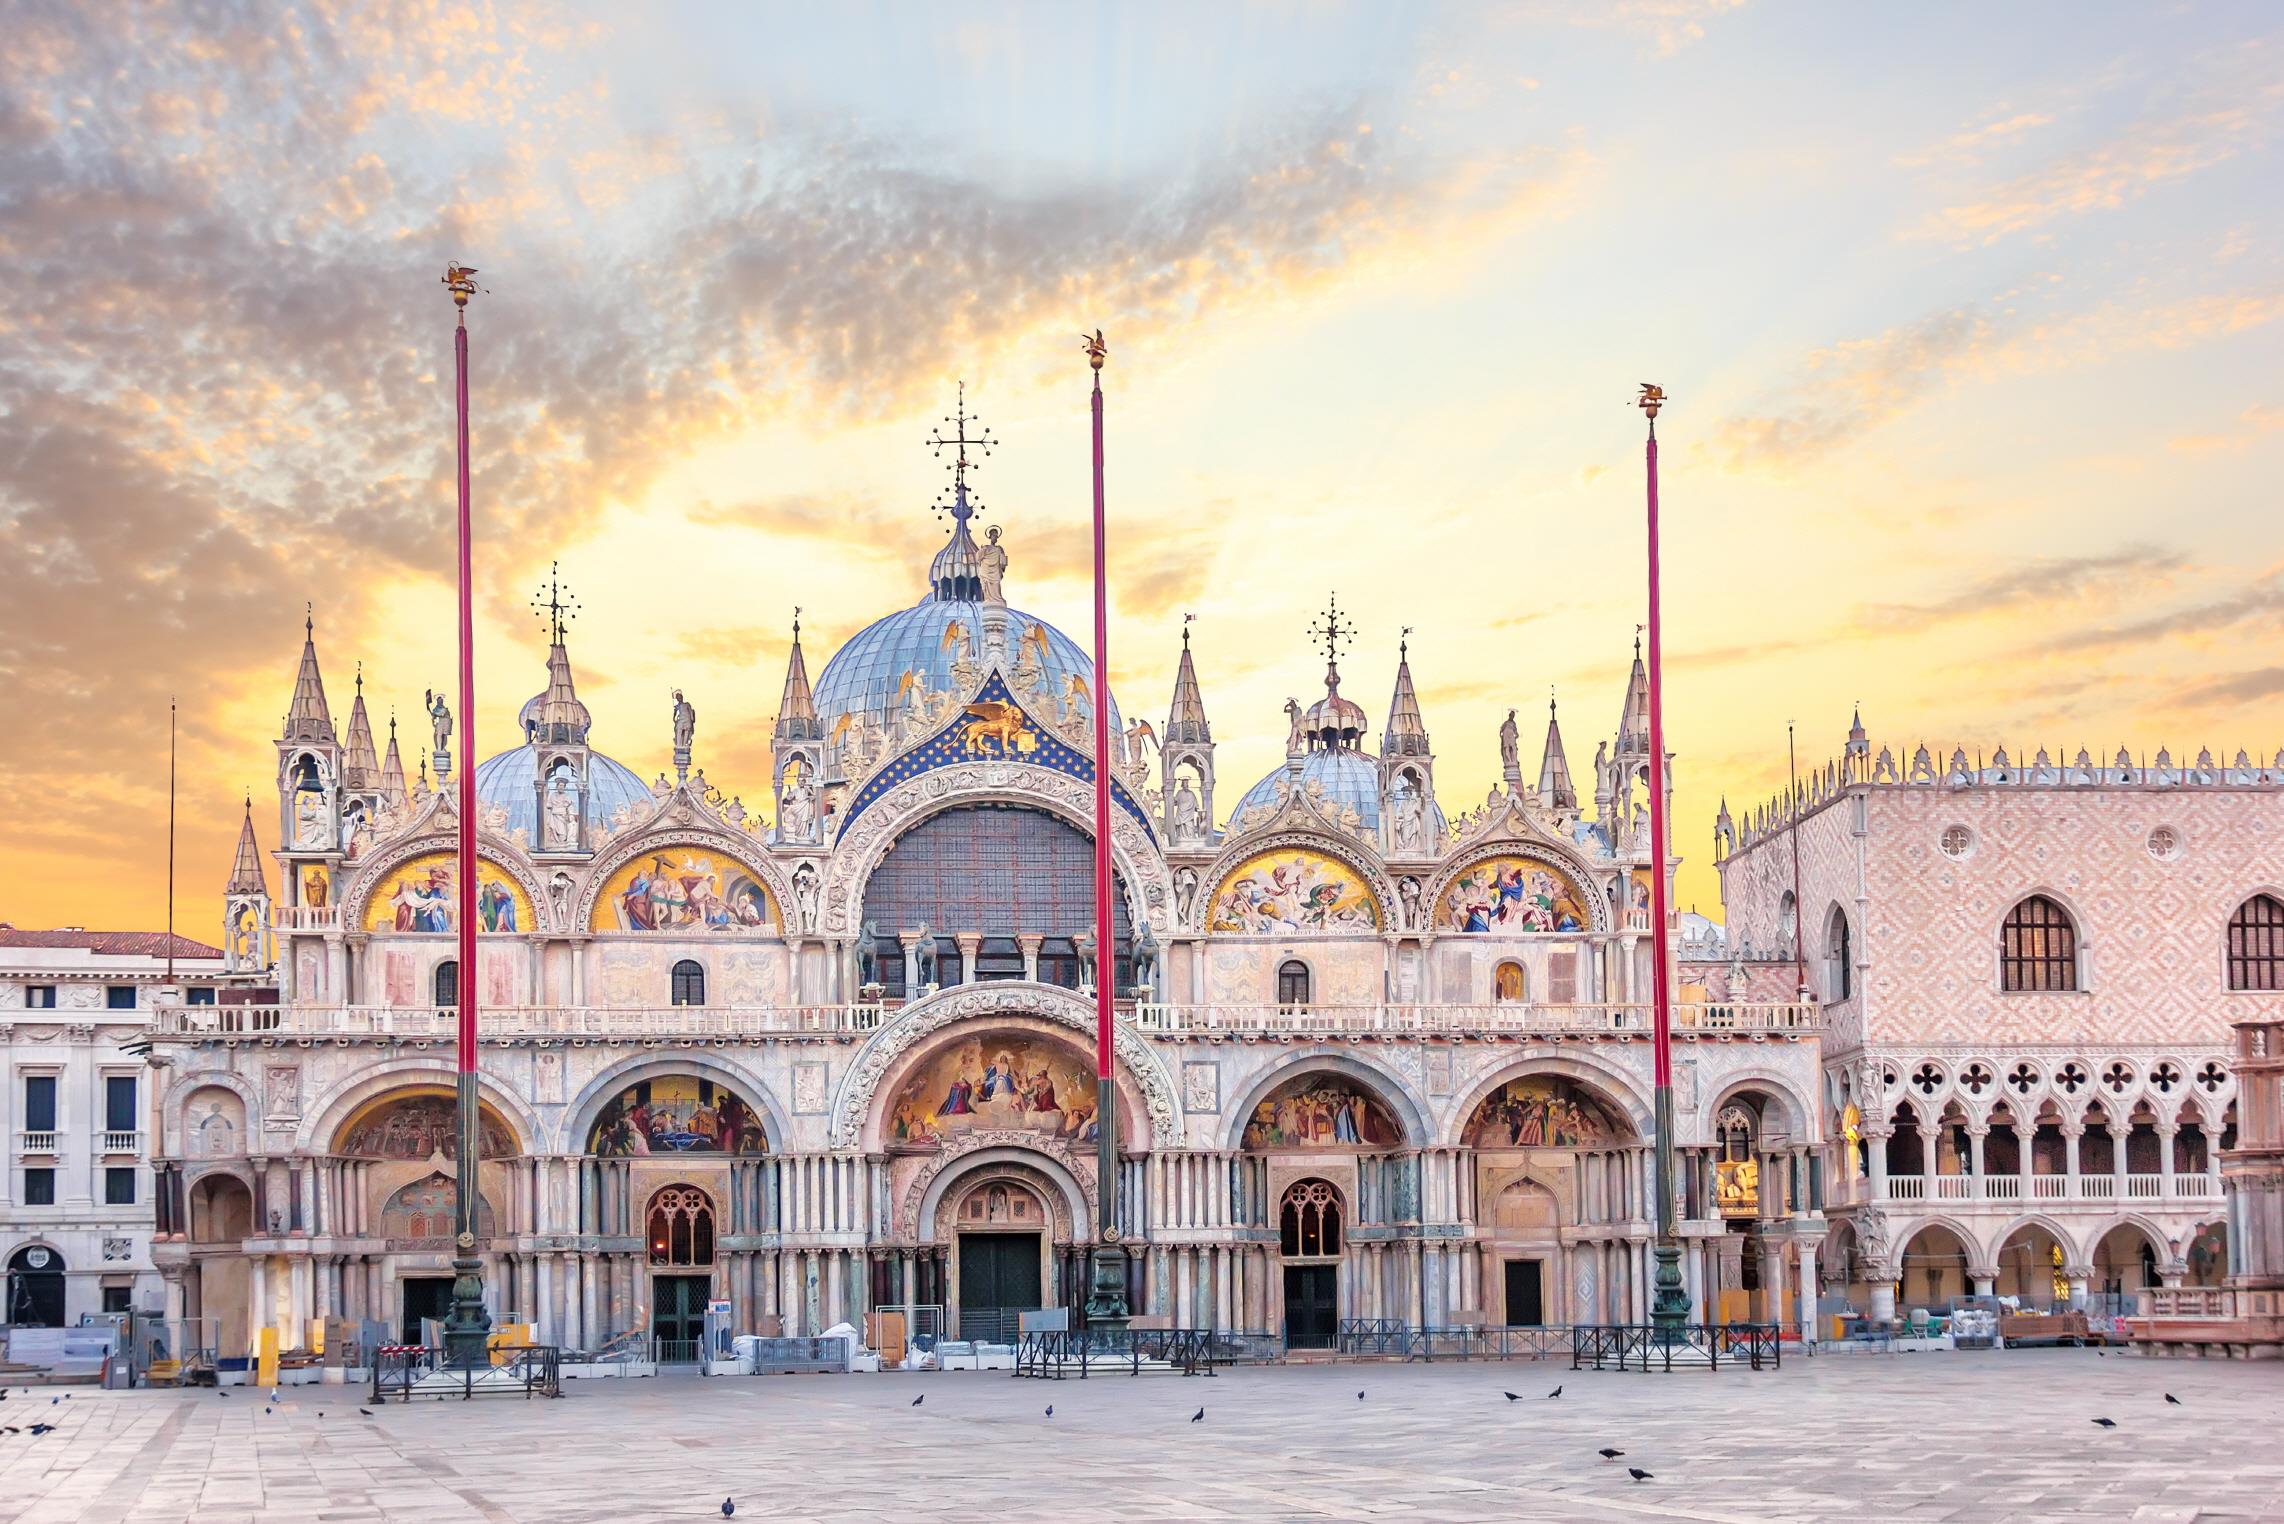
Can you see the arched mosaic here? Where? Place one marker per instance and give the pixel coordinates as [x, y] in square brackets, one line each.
[1543, 1111]
[1512, 894]
[419, 1124]
[423, 1213]
[1292, 890]
[1321, 1111]
[422, 895]
[677, 1114]
[683, 889]
[1000, 1083]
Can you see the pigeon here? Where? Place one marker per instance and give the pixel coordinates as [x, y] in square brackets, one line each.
[368, 1412]
[1359, 1396]
[1512, 1396]
[1050, 1410]
[2107, 1423]
[1638, 1474]
[11, 1429]
[2170, 1398]
[267, 1410]
[43, 1428]
[728, 1508]
[1609, 1454]
[1198, 1416]
[1557, 1392]
[221, 1391]
[52, 1401]
[923, 1397]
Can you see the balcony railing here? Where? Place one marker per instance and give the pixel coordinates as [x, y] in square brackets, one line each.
[2009, 1188]
[35, 1142]
[122, 1142]
[305, 917]
[508, 1022]
[499, 1023]
[1315, 1020]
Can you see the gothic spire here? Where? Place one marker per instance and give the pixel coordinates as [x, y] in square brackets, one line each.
[1556, 792]
[797, 710]
[1406, 732]
[360, 769]
[1186, 723]
[1634, 720]
[393, 793]
[307, 718]
[246, 873]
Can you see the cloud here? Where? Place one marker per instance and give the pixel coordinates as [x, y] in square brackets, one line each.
[1858, 384]
[1668, 26]
[2262, 600]
[225, 368]
[2044, 582]
[1968, 146]
[2229, 110]
[2250, 687]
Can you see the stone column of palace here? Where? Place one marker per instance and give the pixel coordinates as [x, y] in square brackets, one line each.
[1804, 1299]
[1031, 943]
[970, 943]
[2166, 1133]
[2118, 1135]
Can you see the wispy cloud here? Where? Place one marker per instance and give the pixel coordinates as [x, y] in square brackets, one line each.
[1859, 384]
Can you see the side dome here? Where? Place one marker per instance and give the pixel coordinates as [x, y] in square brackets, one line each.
[871, 679]
[509, 782]
[1349, 779]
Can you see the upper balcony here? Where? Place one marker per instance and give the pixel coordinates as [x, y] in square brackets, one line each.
[1172, 1022]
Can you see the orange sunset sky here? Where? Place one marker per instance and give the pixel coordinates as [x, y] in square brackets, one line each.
[1970, 316]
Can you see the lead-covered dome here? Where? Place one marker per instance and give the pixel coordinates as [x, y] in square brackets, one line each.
[1348, 778]
[509, 781]
[873, 680]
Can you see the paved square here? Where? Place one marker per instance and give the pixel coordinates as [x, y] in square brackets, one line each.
[1961, 1437]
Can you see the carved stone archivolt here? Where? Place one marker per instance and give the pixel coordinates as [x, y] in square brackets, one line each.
[496, 850]
[1343, 849]
[924, 1019]
[856, 854]
[955, 1161]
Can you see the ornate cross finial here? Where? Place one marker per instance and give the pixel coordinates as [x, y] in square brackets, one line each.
[360, 677]
[1652, 398]
[309, 621]
[1186, 618]
[1334, 631]
[959, 507]
[1404, 643]
[559, 609]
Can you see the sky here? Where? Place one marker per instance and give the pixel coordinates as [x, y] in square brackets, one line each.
[1969, 315]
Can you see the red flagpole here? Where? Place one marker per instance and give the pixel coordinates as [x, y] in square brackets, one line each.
[467, 1326]
[1106, 1299]
[1669, 1305]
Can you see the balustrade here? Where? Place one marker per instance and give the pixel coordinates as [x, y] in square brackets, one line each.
[2043, 1188]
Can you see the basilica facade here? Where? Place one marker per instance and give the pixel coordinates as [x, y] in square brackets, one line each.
[1377, 1057]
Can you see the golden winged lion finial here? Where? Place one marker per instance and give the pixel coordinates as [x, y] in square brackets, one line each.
[1096, 350]
[460, 280]
[1651, 399]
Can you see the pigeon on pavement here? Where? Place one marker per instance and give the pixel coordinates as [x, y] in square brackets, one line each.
[923, 1397]
[1609, 1454]
[1638, 1474]
[728, 1508]
[1198, 1416]
[2107, 1423]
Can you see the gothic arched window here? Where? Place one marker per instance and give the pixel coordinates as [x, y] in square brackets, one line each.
[2256, 945]
[689, 979]
[2038, 947]
[681, 1227]
[447, 986]
[1308, 1224]
[1839, 976]
[1292, 982]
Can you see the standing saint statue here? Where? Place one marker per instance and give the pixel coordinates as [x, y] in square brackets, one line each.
[1510, 744]
[685, 722]
[440, 721]
[991, 565]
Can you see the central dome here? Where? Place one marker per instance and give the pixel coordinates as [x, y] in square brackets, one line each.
[871, 679]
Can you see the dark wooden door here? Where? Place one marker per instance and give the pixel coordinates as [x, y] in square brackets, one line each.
[678, 1315]
[1312, 1312]
[1526, 1292]
[999, 1282]
[423, 1296]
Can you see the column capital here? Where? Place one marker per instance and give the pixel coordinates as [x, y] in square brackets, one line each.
[1982, 1272]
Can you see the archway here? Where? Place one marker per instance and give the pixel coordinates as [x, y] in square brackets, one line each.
[1310, 1217]
[678, 1231]
[2031, 1267]
[220, 1284]
[35, 1287]
[1001, 1233]
[1554, 1163]
[1934, 1269]
[2126, 1261]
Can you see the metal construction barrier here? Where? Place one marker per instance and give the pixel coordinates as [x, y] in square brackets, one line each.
[799, 1356]
[1131, 1351]
[406, 1371]
[1393, 1338]
[1647, 1347]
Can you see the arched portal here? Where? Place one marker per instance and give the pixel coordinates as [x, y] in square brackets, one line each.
[2031, 1267]
[35, 1287]
[1556, 1168]
[1934, 1268]
[1019, 880]
[1002, 1255]
[1309, 1238]
[679, 1239]
[2126, 1261]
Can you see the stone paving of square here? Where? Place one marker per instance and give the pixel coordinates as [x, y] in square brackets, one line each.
[1964, 1437]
